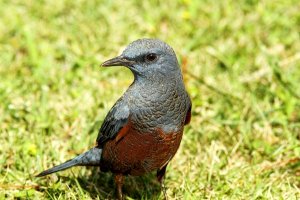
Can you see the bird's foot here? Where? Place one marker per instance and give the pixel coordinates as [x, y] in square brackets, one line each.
[119, 180]
[164, 189]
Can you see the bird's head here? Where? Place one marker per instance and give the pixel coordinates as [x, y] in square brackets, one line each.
[148, 58]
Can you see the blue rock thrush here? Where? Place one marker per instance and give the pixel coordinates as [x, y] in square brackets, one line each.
[143, 130]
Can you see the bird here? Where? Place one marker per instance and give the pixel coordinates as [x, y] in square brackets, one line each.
[143, 130]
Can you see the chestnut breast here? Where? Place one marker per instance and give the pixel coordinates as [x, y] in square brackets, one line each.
[138, 153]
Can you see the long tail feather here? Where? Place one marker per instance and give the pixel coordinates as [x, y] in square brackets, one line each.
[90, 158]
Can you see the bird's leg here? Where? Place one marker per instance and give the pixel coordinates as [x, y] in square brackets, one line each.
[160, 175]
[119, 180]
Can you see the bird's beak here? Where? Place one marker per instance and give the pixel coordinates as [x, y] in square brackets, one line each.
[118, 61]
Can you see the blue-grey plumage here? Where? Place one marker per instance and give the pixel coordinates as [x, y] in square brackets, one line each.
[143, 130]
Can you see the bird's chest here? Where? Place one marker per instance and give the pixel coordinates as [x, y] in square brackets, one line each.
[158, 111]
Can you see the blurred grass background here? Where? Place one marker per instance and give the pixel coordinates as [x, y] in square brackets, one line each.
[241, 64]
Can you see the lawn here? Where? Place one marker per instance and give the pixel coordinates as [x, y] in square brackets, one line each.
[241, 65]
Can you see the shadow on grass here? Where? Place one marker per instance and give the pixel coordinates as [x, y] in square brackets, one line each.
[101, 185]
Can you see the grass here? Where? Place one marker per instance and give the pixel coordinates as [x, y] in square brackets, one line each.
[241, 65]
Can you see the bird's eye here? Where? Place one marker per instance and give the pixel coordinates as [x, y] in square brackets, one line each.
[150, 57]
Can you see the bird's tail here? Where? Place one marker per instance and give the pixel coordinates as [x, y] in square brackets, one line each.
[90, 158]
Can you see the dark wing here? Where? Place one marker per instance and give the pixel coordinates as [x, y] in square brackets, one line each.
[116, 119]
[189, 113]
